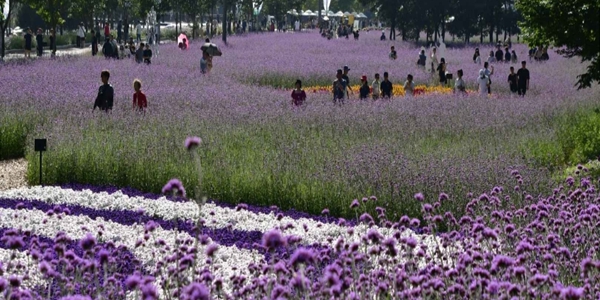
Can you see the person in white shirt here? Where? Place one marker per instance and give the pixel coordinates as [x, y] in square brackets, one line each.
[409, 86]
[489, 74]
[491, 58]
[297, 25]
[434, 60]
[138, 32]
[376, 86]
[81, 35]
[483, 81]
[459, 84]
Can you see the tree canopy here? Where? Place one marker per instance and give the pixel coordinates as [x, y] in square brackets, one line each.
[571, 26]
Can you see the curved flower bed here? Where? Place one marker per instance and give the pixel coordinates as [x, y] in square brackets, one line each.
[59, 242]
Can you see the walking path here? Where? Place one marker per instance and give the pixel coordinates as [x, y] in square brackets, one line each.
[13, 173]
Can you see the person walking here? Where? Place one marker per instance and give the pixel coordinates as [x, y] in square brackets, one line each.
[512, 81]
[94, 43]
[491, 59]
[434, 60]
[52, 39]
[523, 79]
[139, 54]
[39, 38]
[119, 31]
[106, 31]
[138, 32]
[28, 42]
[81, 36]
[107, 48]
[507, 55]
[513, 57]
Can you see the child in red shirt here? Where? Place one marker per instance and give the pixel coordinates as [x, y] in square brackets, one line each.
[298, 95]
[139, 99]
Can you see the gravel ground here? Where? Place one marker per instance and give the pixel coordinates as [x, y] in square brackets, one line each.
[12, 173]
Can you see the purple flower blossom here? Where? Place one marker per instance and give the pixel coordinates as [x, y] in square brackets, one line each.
[273, 239]
[192, 142]
[419, 197]
[174, 186]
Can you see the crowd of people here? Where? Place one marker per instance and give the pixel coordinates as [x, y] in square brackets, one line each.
[518, 82]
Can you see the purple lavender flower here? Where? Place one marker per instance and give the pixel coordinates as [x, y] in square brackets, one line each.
[211, 249]
[354, 204]
[273, 239]
[192, 142]
[88, 242]
[419, 197]
[174, 186]
[325, 211]
[196, 291]
[302, 256]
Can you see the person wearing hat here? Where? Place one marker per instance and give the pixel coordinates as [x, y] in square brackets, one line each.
[339, 88]
[347, 79]
[365, 90]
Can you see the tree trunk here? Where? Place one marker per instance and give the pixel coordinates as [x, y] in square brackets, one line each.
[492, 32]
[443, 31]
[2, 50]
[393, 30]
[224, 25]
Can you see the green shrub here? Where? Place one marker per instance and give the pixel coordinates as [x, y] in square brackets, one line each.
[13, 134]
[579, 137]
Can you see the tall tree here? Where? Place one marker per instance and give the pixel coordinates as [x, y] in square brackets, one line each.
[387, 10]
[5, 22]
[572, 26]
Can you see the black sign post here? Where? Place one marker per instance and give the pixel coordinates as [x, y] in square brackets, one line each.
[40, 145]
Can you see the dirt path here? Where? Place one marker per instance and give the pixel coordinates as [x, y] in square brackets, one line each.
[12, 173]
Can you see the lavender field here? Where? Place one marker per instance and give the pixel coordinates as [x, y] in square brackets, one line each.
[259, 149]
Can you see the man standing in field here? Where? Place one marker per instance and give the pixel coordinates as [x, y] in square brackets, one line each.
[106, 93]
[339, 88]
[347, 79]
[523, 79]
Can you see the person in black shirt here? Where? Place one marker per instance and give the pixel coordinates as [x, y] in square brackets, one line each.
[523, 79]
[147, 54]
[52, 39]
[39, 39]
[365, 90]
[339, 88]
[107, 49]
[28, 42]
[512, 80]
[345, 77]
[442, 72]
[393, 54]
[386, 86]
[94, 43]
[104, 100]
[499, 55]
[507, 55]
